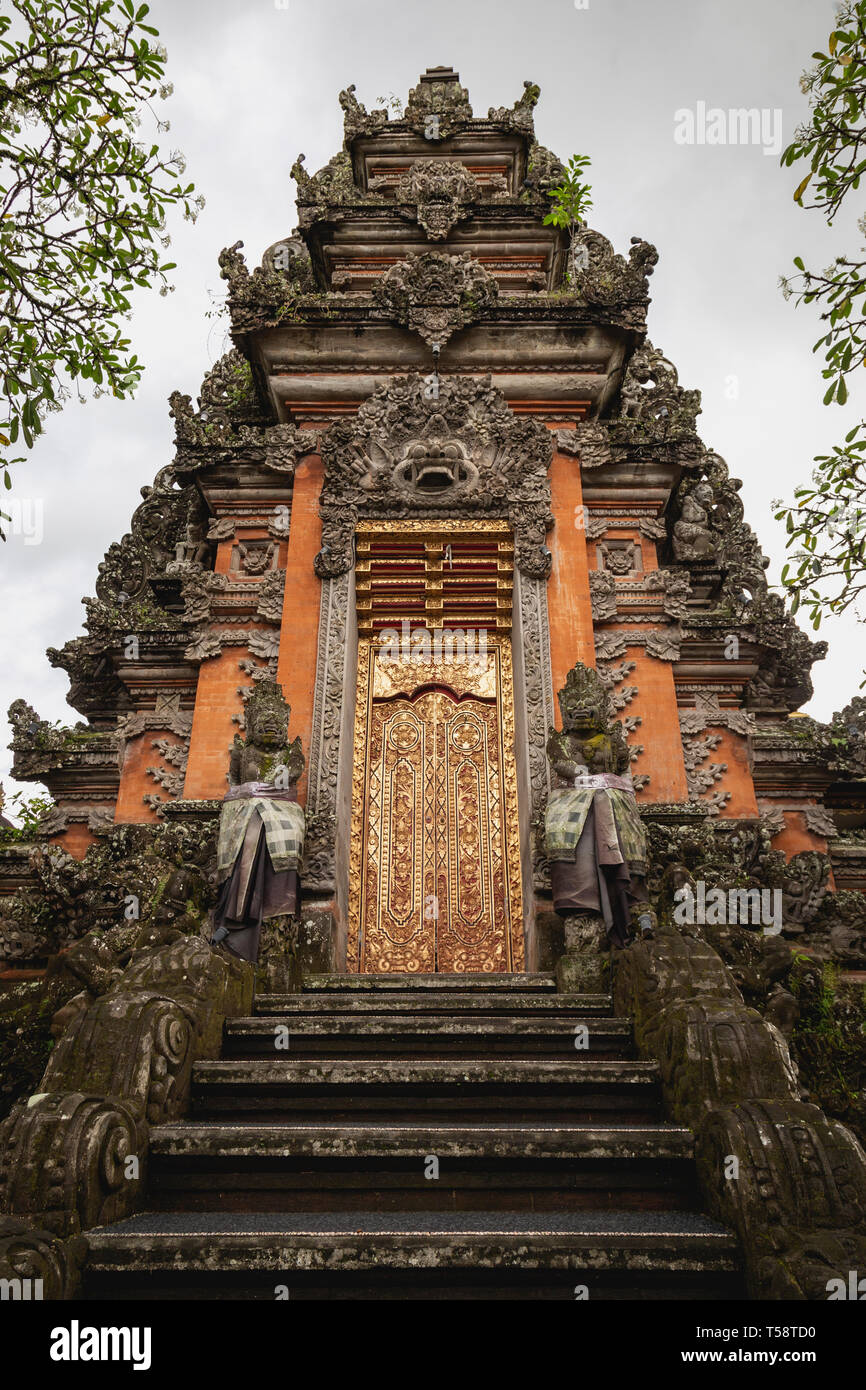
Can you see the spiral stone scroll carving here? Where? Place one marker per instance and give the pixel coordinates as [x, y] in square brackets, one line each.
[65, 1160]
[132, 1044]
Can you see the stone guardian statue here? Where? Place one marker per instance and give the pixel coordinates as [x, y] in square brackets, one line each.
[261, 830]
[593, 835]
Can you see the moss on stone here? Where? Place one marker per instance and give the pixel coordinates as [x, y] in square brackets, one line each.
[26, 1010]
[829, 1040]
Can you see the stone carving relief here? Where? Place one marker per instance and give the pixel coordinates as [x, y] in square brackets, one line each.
[773, 819]
[622, 559]
[166, 717]
[167, 527]
[434, 294]
[636, 594]
[171, 777]
[609, 645]
[702, 775]
[664, 643]
[438, 105]
[255, 559]
[820, 821]
[538, 701]
[602, 593]
[431, 449]
[269, 596]
[614, 676]
[324, 765]
[590, 442]
[692, 539]
[203, 592]
[441, 191]
[708, 712]
[518, 116]
[651, 391]
[608, 280]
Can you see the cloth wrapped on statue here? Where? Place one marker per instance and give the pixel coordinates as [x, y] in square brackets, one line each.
[261, 841]
[596, 848]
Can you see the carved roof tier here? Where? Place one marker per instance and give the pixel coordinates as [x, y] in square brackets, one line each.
[433, 221]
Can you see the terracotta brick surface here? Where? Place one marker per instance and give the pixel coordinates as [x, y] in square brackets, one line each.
[659, 730]
[76, 840]
[213, 730]
[135, 783]
[570, 611]
[296, 668]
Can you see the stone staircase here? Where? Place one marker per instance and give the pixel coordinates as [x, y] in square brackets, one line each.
[308, 1165]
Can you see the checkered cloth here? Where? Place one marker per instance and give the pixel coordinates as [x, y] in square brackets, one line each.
[283, 820]
[568, 809]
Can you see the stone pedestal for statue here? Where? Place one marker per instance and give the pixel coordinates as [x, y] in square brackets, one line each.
[279, 969]
[585, 966]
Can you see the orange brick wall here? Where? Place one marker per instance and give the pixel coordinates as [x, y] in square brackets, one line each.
[213, 730]
[655, 703]
[135, 784]
[76, 839]
[659, 730]
[738, 780]
[796, 836]
[217, 699]
[571, 636]
[296, 667]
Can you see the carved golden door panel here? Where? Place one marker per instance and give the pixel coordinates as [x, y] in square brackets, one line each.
[435, 879]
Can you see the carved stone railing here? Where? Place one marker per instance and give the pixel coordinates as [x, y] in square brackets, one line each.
[74, 1155]
[38, 1264]
[789, 1181]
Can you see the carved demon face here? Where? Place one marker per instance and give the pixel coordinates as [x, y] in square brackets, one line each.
[266, 728]
[267, 716]
[584, 702]
[434, 465]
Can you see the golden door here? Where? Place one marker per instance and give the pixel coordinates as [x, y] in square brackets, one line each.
[436, 872]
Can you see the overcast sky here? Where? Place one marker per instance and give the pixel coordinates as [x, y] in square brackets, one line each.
[256, 82]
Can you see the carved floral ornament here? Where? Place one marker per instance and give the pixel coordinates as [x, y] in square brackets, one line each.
[434, 294]
[436, 447]
[441, 191]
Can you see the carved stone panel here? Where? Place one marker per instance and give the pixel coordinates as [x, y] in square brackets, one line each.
[434, 294]
[436, 447]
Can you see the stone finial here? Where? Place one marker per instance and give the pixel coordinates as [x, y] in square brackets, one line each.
[438, 104]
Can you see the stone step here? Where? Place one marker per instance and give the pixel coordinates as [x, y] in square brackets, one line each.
[386, 1167]
[429, 1255]
[343, 1088]
[457, 1003]
[471, 981]
[429, 1036]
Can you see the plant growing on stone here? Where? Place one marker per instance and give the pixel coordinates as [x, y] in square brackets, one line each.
[83, 202]
[29, 811]
[827, 524]
[571, 200]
